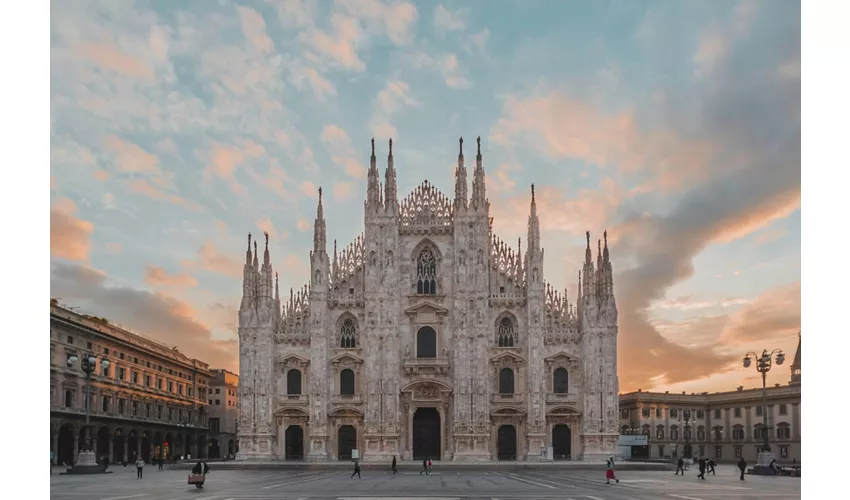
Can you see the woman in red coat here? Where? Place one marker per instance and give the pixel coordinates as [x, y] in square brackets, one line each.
[609, 473]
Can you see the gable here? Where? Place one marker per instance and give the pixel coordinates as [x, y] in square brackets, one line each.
[426, 307]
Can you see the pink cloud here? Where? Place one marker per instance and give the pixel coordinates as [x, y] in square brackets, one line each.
[304, 225]
[158, 277]
[70, 237]
[342, 153]
[107, 56]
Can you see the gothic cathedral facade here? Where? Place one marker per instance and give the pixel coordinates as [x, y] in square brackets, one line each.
[427, 337]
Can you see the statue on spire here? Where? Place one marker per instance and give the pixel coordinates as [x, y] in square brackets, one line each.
[373, 146]
[461, 146]
[588, 239]
[479, 145]
[267, 238]
[391, 146]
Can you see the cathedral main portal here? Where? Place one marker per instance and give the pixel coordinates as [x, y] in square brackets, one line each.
[426, 434]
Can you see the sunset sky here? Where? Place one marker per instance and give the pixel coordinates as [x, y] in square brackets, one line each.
[179, 127]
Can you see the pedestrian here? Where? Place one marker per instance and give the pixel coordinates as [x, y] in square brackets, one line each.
[140, 464]
[701, 469]
[711, 465]
[395, 471]
[774, 467]
[609, 472]
[51, 461]
[159, 462]
[424, 467]
[680, 466]
[356, 469]
[742, 465]
[430, 464]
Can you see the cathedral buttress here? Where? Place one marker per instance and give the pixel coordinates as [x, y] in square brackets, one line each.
[316, 447]
[536, 310]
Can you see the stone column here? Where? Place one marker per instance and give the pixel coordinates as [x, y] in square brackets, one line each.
[139, 447]
[94, 446]
[111, 448]
[124, 449]
[76, 451]
[55, 445]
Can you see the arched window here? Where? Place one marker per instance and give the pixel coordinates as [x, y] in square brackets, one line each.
[645, 430]
[560, 381]
[674, 433]
[687, 433]
[69, 399]
[293, 382]
[506, 381]
[783, 431]
[348, 334]
[738, 432]
[700, 433]
[426, 273]
[426, 343]
[346, 382]
[758, 431]
[659, 432]
[718, 433]
[506, 334]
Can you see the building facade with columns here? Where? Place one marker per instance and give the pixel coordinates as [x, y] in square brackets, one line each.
[721, 425]
[150, 402]
[223, 403]
[427, 336]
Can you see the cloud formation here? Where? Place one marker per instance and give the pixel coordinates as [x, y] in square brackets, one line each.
[70, 237]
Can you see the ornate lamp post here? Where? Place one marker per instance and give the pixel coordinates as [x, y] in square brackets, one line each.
[86, 460]
[763, 365]
[689, 453]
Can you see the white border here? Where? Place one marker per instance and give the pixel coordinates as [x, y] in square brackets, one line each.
[825, 164]
[25, 204]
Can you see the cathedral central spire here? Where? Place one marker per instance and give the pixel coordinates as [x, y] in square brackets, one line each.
[320, 229]
[390, 185]
[373, 184]
[479, 189]
[533, 226]
[460, 181]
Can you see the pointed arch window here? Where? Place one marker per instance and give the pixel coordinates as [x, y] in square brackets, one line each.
[506, 333]
[426, 273]
[561, 381]
[348, 334]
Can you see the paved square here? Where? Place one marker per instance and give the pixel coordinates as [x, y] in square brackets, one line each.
[441, 485]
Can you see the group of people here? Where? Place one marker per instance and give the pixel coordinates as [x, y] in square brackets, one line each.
[426, 467]
[708, 466]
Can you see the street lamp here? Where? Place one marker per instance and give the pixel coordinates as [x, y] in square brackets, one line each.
[763, 365]
[86, 460]
[689, 453]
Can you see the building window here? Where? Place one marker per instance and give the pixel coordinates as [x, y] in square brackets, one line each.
[759, 411]
[69, 339]
[189, 391]
[738, 433]
[644, 412]
[104, 370]
[702, 450]
[135, 408]
[783, 452]
[171, 414]
[170, 386]
[148, 408]
[506, 381]
[88, 346]
[783, 431]
[737, 413]
[215, 425]
[122, 373]
[738, 452]
[218, 402]
[674, 433]
[701, 435]
[148, 380]
[135, 377]
[209, 402]
[346, 382]
[426, 273]
[783, 409]
[560, 381]
[658, 413]
[674, 413]
[105, 404]
[293, 383]
[717, 413]
[659, 432]
[348, 334]
[624, 413]
[687, 433]
[122, 403]
[660, 450]
[426, 343]
[69, 399]
[718, 452]
[159, 412]
[217, 390]
[506, 334]
[758, 431]
[180, 389]
[121, 356]
[645, 430]
[700, 415]
[718, 433]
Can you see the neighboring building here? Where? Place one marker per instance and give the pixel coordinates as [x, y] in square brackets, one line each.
[722, 425]
[223, 401]
[150, 401]
[428, 336]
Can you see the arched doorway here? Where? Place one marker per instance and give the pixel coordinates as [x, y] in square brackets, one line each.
[103, 435]
[562, 438]
[118, 446]
[506, 443]
[147, 446]
[346, 441]
[214, 449]
[132, 445]
[179, 448]
[65, 453]
[426, 434]
[294, 437]
[168, 447]
[688, 451]
[231, 447]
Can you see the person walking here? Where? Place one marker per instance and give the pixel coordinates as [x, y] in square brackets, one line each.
[680, 466]
[609, 472]
[701, 469]
[430, 465]
[159, 462]
[424, 467]
[356, 469]
[51, 461]
[395, 471]
[711, 465]
[140, 465]
[742, 465]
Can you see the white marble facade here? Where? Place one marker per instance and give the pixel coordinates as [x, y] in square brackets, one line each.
[428, 336]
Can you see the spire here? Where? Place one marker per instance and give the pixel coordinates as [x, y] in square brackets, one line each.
[266, 257]
[479, 194]
[460, 181]
[373, 188]
[589, 288]
[335, 268]
[533, 226]
[248, 253]
[519, 256]
[390, 186]
[796, 366]
[276, 287]
[256, 253]
[605, 256]
[587, 254]
[319, 229]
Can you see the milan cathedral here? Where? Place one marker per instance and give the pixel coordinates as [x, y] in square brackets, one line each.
[427, 337]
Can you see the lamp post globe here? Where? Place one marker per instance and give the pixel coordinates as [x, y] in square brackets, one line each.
[86, 459]
[763, 365]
